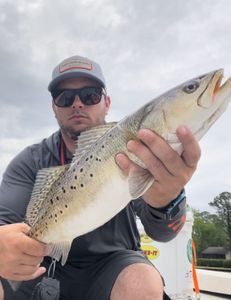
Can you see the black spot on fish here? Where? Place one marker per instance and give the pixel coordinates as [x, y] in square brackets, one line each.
[61, 211]
[96, 159]
[76, 177]
[63, 190]
[81, 185]
[66, 205]
[57, 198]
[86, 159]
[81, 170]
[99, 159]
[91, 175]
[56, 221]
[72, 187]
[51, 201]
[56, 215]
[91, 156]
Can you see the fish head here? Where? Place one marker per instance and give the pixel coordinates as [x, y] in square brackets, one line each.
[196, 103]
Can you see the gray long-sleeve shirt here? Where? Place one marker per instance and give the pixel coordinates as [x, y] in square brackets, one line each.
[118, 234]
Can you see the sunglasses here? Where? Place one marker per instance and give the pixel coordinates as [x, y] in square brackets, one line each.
[87, 95]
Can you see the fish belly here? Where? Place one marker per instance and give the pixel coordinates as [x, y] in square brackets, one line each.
[97, 208]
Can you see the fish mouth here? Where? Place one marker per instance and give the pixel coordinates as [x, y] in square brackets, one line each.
[214, 85]
[219, 100]
[218, 86]
[222, 88]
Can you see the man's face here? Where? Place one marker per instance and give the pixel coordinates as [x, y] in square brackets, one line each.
[79, 117]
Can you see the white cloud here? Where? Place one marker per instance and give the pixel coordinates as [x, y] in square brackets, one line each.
[145, 48]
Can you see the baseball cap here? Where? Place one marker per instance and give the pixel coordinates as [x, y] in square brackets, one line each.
[76, 66]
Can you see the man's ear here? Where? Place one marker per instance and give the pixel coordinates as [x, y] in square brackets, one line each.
[108, 103]
[54, 107]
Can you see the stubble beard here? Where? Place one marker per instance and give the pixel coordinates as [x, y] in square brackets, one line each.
[73, 134]
[70, 132]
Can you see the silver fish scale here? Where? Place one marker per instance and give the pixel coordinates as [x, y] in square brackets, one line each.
[78, 176]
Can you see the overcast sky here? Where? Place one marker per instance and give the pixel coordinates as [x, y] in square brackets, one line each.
[144, 47]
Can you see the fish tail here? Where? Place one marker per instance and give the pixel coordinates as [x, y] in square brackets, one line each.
[60, 251]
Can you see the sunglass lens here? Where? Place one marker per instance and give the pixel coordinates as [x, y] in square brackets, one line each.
[87, 95]
[65, 99]
[91, 95]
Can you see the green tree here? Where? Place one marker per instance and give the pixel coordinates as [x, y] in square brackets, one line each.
[222, 204]
[207, 231]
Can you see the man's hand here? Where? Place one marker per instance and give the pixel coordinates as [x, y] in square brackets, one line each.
[20, 255]
[170, 170]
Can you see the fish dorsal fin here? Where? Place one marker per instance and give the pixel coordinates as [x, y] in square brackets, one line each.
[89, 137]
[45, 178]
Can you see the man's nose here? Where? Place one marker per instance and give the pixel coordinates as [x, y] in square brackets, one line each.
[77, 102]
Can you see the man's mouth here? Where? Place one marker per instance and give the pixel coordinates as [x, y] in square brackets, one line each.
[77, 117]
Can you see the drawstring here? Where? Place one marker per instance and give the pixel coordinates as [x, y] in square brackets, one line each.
[51, 270]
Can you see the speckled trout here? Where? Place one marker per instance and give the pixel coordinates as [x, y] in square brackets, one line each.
[72, 200]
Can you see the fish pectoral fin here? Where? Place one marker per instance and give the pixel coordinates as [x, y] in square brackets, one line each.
[60, 251]
[139, 181]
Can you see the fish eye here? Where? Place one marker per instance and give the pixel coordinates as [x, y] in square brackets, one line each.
[191, 87]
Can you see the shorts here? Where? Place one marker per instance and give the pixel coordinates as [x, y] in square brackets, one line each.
[94, 282]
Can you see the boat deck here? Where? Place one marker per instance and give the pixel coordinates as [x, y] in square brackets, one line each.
[215, 282]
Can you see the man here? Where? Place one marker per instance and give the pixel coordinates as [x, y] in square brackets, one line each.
[106, 263]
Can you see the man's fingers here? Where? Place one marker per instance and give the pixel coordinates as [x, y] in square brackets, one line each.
[20, 241]
[26, 270]
[151, 162]
[192, 151]
[124, 163]
[30, 276]
[30, 260]
[23, 227]
[33, 247]
[158, 156]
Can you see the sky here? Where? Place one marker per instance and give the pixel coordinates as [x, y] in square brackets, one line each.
[144, 47]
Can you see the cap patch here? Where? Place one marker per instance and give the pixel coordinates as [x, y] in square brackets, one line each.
[75, 64]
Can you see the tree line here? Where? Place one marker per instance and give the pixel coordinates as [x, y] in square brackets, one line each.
[213, 229]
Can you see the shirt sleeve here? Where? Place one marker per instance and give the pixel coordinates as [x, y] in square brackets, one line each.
[158, 229]
[16, 187]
